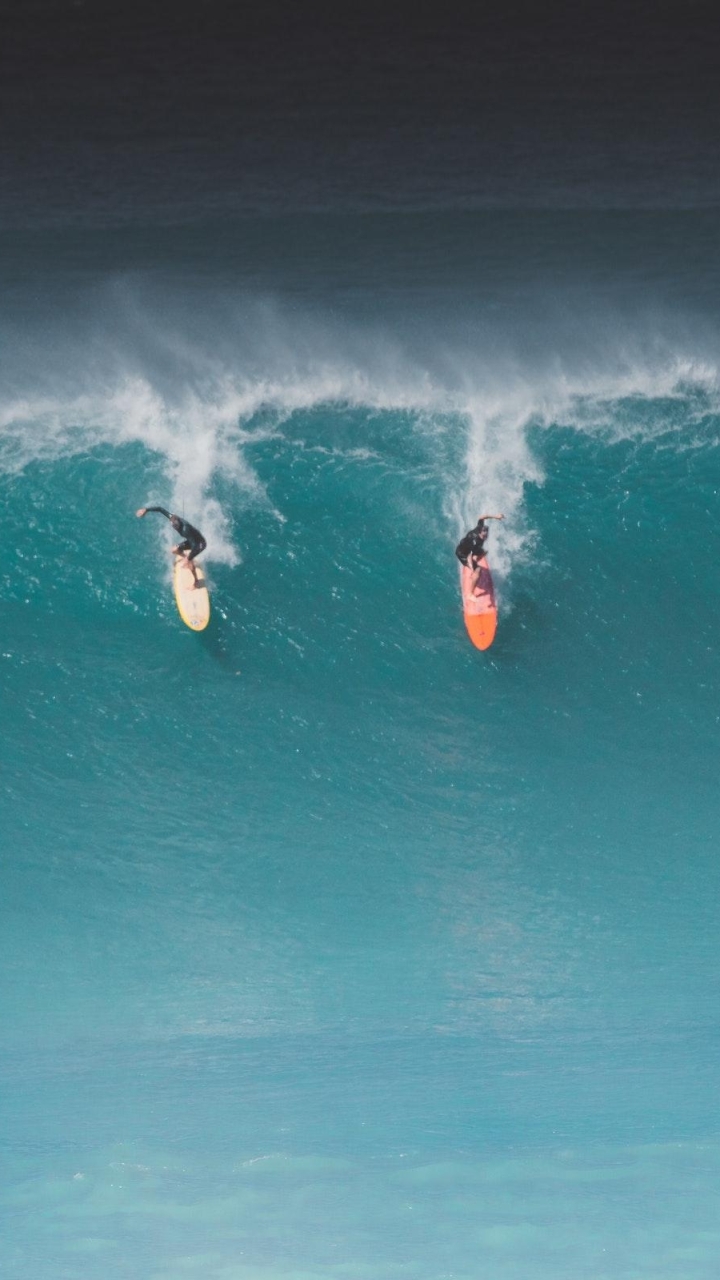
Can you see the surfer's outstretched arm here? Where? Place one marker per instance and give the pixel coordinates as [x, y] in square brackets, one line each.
[142, 511]
[500, 517]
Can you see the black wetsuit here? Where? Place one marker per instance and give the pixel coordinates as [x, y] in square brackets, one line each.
[473, 544]
[193, 542]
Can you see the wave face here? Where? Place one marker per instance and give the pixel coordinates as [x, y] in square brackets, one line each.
[334, 947]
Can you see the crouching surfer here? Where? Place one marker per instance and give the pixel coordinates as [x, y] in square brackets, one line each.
[470, 551]
[193, 541]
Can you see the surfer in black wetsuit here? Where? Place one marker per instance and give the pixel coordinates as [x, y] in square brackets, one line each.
[193, 542]
[471, 549]
[472, 546]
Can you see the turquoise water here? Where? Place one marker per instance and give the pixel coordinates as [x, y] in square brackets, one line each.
[334, 948]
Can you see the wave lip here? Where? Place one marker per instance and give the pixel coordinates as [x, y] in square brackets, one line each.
[203, 402]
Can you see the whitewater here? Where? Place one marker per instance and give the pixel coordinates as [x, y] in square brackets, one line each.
[334, 948]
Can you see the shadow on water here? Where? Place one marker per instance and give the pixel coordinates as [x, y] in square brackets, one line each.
[222, 639]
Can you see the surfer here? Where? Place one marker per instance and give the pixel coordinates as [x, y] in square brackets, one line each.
[472, 547]
[193, 542]
[470, 550]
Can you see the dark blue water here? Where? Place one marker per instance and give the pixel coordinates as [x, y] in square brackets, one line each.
[147, 109]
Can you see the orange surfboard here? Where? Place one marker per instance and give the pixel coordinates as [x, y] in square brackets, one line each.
[479, 608]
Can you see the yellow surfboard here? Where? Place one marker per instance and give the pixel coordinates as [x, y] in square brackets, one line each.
[191, 596]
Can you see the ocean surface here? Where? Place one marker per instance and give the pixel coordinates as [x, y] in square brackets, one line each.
[333, 949]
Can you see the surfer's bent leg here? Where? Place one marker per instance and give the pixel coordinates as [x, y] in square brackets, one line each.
[476, 576]
[182, 550]
[190, 550]
[196, 548]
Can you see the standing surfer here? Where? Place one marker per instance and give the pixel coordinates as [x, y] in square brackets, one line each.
[193, 541]
[470, 551]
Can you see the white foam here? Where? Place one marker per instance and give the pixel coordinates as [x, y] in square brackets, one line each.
[196, 405]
